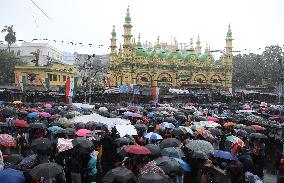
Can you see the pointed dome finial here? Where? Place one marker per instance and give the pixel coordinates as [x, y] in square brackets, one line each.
[229, 32]
[198, 40]
[128, 18]
[113, 33]
[191, 42]
[158, 40]
[139, 37]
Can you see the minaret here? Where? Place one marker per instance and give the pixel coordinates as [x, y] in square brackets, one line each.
[127, 36]
[198, 46]
[113, 53]
[229, 46]
[191, 44]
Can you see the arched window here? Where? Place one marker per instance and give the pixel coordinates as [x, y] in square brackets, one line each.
[164, 79]
[144, 79]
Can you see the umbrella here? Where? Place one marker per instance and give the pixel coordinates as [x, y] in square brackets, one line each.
[37, 125]
[54, 128]
[47, 106]
[216, 131]
[3, 124]
[132, 108]
[219, 175]
[119, 175]
[188, 129]
[17, 102]
[170, 120]
[196, 126]
[154, 178]
[7, 112]
[167, 125]
[83, 132]
[20, 123]
[224, 155]
[183, 164]
[29, 162]
[178, 131]
[210, 118]
[238, 142]
[41, 145]
[229, 124]
[231, 138]
[70, 131]
[44, 114]
[103, 109]
[154, 149]
[141, 127]
[46, 170]
[80, 125]
[153, 136]
[14, 158]
[127, 113]
[7, 140]
[170, 142]
[135, 115]
[10, 175]
[169, 165]
[199, 155]
[200, 145]
[242, 133]
[248, 129]
[32, 115]
[136, 149]
[258, 136]
[150, 115]
[122, 141]
[258, 128]
[83, 144]
[172, 152]
[55, 116]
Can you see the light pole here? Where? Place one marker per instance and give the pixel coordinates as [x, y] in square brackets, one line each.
[281, 82]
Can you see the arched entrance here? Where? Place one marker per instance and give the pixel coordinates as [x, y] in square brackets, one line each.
[144, 79]
[164, 79]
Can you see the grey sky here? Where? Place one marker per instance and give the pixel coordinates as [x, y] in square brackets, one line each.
[254, 23]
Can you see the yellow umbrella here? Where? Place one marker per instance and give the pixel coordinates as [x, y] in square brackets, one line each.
[17, 102]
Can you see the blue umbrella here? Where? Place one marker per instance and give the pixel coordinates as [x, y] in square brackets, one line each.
[183, 164]
[224, 155]
[2, 102]
[153, 136]
[29, 161]
[54, 128]
[10, 175]
[127, 113]
[167, 125]
[32, 115]
[150, 115]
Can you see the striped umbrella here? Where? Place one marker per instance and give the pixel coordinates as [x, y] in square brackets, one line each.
[7, 140]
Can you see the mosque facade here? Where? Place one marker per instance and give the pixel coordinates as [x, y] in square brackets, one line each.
[165, 65]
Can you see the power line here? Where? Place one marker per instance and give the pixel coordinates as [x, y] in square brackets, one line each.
[41, 10]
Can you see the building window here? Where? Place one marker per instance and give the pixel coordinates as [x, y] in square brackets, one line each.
[18, 52]
[50, 77]
[64, 78]
[59, 78]
[54, 77]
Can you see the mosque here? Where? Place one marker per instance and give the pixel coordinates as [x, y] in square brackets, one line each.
[167, 65]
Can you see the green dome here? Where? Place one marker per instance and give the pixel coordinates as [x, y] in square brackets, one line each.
[229, 33]
[113, 33]
[149, 53]
[169, 55]
[127, 18]
[179, 55]
[187, 56]
[139, 49]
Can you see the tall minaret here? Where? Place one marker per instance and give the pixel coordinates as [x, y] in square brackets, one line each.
[113, 53]
[229, 45]
[198, 46]
[127, 36]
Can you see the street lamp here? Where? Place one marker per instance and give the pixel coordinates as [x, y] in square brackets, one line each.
[281, 82]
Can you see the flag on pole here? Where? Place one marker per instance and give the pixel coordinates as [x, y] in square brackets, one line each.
[155, 93]
[71, 86]
[44, 82]
[21, 80]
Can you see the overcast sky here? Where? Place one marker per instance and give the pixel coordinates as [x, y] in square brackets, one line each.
[254, 23]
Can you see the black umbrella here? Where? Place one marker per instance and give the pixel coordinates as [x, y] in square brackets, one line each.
[80, 125]
[37, 125]
[154, 178]
[119, 175]
[242, 133]
[169, 165]
[83, 144]
[56, 123]
[248, 129]
[7, 112]
[258, 136]
[41, 145]
[69, 116]
[170, 120]
[216, 131]
[218, 174]
[46, 170]
[199, 155]
[50, 111]
[70, 131]
[14, 158]
[122, 141]
[154, 149]
[170, 142]
[178, 131]
[141, 127]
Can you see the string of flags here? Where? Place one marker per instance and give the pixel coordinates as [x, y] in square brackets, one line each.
[72, 43]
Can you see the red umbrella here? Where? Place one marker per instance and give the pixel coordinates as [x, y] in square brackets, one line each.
[258, 128]
[7, 140]
[132, 108]
[83, 132]
[20, 123]
[137, 149]
[210, 118]
[48, 106]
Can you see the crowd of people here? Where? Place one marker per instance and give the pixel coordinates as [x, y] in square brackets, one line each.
[190, 143]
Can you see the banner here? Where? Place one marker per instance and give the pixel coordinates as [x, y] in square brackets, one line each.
[129, 88]
[44, 82]
[71, 86]
[155, 94]
[21, 80]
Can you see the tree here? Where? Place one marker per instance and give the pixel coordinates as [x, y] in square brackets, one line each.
[7, 67]
[10, 37]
